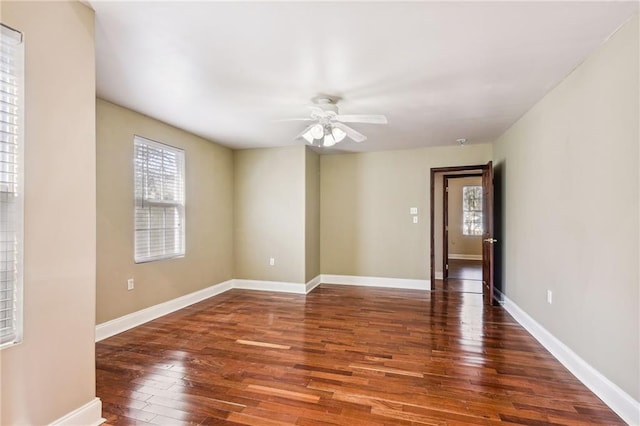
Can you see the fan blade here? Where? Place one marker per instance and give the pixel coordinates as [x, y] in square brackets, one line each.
[356, 136]
[318, 113]
[294, 119]
[371, 119]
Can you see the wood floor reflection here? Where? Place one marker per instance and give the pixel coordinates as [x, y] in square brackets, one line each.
[461, 286]
[464, 276]
[339, 355]
[463, 269]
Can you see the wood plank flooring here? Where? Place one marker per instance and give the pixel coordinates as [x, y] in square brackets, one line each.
[465, 269]
[464, 276]
[339, 355]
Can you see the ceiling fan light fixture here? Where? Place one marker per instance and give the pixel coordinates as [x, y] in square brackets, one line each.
[307, 136]
[328, 128]
[328, 141]
[317, 131]
[338, 134]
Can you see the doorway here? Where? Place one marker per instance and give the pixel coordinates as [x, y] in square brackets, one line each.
[462, 241]
[461, 215]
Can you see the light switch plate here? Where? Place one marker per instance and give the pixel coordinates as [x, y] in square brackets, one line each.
[413, 210]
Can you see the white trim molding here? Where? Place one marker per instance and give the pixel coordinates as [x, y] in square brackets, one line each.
[315, 282]
[278, 286]
[617, 399]
[134, 319]
[405, 283]
[90, 414]
[465, 256]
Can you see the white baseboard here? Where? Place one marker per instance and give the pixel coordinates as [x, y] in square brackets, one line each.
[465, 256]
[89, 414]
[278, 286]
[134, 319]
[315, 282]
[439, 276]
[617, 399]
[405, 283]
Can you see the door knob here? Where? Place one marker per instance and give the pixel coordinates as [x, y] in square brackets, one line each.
[490, 240]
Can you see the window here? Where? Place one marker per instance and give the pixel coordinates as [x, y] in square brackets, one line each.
[159, 200]
[472, 210]
[11, 187]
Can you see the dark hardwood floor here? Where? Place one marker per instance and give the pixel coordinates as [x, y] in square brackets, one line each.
[465, 269]
[340, 355]
[464, 276]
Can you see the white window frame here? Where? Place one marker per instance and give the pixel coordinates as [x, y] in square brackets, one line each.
[467, 212]
[11, 185]
[157, 248]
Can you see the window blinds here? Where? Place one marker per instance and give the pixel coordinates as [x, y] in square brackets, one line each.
[11, 196]
[159, 201]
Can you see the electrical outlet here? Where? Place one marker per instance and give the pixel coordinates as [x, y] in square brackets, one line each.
[272, 261]
[549, 297]
[130, 284]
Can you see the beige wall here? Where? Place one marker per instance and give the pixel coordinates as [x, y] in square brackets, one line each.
[365, 225]
[53, 371]
[208, 206]
[312, 215]
[569, 171]
[467, 245]
[269, 205]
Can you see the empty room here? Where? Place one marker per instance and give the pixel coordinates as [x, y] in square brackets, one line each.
[317, 213]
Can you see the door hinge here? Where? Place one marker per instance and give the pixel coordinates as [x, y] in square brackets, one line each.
[446, 266]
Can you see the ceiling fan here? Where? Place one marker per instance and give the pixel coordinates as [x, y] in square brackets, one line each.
[328, 126]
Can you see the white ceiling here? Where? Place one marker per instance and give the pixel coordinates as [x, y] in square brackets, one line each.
[438, 71]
